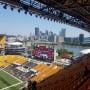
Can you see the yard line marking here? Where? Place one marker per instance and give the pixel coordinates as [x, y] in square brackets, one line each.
[3, 68]
[10, 86]
[13, 76]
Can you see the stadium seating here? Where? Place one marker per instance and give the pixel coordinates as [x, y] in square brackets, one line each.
[9, 59]
[45, 71]
[2, 41]
[40, 67]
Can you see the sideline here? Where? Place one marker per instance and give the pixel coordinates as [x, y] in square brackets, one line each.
[13, 76]
[20, 82]
[10, 86]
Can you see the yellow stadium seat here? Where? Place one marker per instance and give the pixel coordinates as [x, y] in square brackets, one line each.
[45, 72]
[9, 59]
[2, 41]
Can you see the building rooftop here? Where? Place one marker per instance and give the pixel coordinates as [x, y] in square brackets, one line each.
[15, 43]
[85, 51]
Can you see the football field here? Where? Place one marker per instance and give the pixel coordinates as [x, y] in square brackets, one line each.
[8, 81]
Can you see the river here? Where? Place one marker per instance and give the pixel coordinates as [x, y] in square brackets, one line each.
[73, 48]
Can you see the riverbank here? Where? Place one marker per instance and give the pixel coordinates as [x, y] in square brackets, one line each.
[83, 45]
[73, 48]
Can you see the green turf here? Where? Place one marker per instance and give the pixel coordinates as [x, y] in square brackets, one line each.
[7, 80]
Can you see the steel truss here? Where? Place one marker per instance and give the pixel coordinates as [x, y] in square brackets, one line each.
[53, 10]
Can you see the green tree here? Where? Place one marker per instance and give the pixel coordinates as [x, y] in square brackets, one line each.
[62, 51]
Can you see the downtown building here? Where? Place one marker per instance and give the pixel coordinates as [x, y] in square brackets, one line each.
[81, 38]
[37, 33]
[86, 40]
[61, 36]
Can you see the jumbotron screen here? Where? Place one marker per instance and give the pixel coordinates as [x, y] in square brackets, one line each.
[43, 53]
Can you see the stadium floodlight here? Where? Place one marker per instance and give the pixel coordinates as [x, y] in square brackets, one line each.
[48, 18]
[30, 13]
[12, 8]
[19, 10]
[5, 6]
[44, 17]
[26, 12]
[54, 20]
[51, 19]
[40, 16]
[36, 15]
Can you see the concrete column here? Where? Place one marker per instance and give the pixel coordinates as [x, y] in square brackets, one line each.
[55, 53]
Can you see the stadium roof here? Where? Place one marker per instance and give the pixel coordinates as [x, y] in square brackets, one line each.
[15, 43]
[72, 12]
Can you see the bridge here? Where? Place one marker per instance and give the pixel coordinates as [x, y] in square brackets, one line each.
[73, 12]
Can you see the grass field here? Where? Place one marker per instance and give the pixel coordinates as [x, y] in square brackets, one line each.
[9, 82]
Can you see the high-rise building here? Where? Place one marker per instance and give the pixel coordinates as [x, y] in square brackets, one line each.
[81, 38]
[46, 32]
[62, 32]
[51, 37]
[86, 40]
[55, 38]
[60, 39]
[37, 32]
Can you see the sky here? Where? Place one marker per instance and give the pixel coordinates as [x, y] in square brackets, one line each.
[14, 23]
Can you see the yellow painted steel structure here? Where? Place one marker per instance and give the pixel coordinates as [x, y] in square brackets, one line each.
[9, 59]
[2, 41]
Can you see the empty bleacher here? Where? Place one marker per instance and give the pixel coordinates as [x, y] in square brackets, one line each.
[9, 59]
[45, 71]
[2, 41]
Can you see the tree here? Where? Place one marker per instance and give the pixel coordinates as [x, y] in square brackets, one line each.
[63, 51]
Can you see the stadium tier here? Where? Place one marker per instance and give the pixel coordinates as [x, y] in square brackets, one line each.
[2, 44]
[9, 59]
[45, 71]
[2, 41]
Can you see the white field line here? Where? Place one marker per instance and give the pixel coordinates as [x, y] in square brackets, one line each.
[13, 76]
[3, 68]
[10, 86]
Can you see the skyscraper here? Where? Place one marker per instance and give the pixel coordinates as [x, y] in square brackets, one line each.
[51, 37]
[62, 35]
[46, 32]
[62, 32]
[81, 38]
[37, 32]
